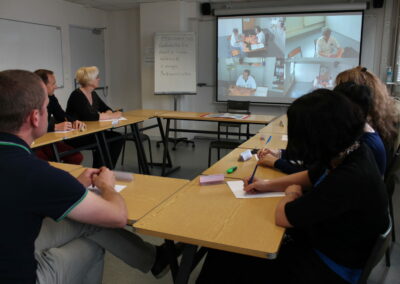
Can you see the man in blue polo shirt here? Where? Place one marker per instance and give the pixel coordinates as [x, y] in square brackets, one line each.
[36, 249]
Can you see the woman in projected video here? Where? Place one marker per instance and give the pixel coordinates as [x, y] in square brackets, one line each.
[327, 45]
[245, 85]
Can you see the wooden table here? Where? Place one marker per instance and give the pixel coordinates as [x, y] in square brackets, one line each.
[97, 128]
[150, 113]
[65, 167]
[202, 116]
[144, 193]
[256, 142]
[279, 125]
[211, 216]
[244, 169]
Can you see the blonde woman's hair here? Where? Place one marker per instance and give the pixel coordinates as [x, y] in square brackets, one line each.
[85, 75]
[383, 115]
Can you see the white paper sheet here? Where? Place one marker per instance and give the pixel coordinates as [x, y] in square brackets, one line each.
[64, 131]
[116, 119]
[117, 188]
[237, 189]
[284, 138]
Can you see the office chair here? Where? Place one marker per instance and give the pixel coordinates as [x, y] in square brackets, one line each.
[381, 246]
[238, 107]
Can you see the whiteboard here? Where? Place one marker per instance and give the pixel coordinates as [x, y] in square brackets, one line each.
[175, 63]
[31, 46]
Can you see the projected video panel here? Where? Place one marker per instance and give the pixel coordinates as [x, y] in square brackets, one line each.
[278, 58]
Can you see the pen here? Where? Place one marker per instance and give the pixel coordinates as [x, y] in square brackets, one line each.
[231, 170]
[255, 168]
[252, 176]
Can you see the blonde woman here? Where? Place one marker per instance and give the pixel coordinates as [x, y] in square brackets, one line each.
[383, 116]
[84, 104]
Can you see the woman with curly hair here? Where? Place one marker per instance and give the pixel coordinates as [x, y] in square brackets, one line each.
[383, 115]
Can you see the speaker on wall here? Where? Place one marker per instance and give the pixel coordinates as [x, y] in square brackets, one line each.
[377, 3]
[205, 9]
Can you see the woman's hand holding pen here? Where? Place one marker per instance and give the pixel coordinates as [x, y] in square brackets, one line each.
[63, 126]
[265, 151]
[258, 185]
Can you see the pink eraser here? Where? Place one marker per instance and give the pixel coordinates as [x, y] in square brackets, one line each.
[211, 179]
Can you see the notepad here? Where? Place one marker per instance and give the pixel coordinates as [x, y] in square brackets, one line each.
[64, 131]
[115, 119]
[237, 190]
[117, 188]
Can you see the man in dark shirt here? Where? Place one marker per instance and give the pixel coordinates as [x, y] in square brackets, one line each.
[68, 250]
[58, 120]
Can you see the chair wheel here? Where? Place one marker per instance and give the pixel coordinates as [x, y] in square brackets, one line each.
[158, 145]
[193, 145]
[173, 148]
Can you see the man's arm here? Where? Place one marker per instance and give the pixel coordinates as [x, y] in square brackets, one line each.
[106, 210]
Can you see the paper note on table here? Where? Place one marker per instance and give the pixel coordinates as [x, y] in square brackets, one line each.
[63, 131]
[237, 189]
[115, 119]
[117, 188]
[284, 138]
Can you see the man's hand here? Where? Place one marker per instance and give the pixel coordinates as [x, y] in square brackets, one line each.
[105, 179]
[86, 178]
[63, 126]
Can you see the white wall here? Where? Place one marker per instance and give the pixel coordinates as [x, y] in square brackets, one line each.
[226, 26]
[57, 13]
[124, 51]
[345, 25]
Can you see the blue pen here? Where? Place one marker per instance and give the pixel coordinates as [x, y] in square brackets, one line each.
[255, 168]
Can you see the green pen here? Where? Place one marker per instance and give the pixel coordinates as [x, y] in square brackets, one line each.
[231, 170]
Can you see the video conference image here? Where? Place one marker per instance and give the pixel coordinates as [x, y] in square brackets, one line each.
[278, 58]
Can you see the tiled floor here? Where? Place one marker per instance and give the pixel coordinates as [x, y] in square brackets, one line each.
[193, 161]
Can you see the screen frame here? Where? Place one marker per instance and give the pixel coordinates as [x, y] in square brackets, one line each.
[217, 100]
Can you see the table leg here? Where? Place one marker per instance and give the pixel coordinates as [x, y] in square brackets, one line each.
[99, 149]
[106, 150]
[55, 151]
[185, 267]
[166, 152]
[165, 141]
[248, 131]
[139, 147]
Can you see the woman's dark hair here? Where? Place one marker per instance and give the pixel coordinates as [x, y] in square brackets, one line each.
[358, 94]
[321, 125]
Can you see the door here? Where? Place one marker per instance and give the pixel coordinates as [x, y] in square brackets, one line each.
[87, 49]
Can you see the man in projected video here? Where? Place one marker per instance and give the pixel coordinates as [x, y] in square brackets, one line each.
[327, 45]
[245, 85]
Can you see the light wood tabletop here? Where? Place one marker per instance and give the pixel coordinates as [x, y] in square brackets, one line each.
[259, 140]
[212, 217]
[91, 127]
[144, 192]
[279, 125]
[244, 169]
[254, 118]
[65, 167]
[145, 112]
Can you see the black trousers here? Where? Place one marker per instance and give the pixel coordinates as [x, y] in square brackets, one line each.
[295, 264]
[115, 147]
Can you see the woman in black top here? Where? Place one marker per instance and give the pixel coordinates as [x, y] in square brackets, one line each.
[84, 104]
[334, 212]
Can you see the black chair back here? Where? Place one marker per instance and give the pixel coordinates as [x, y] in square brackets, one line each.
[241, 107]
[378, 251]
